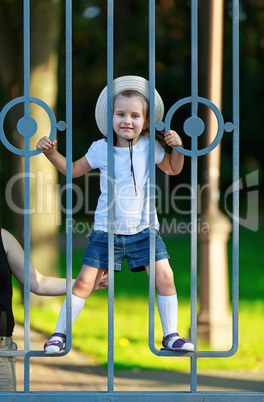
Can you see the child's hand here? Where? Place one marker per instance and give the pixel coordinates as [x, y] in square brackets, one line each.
[45, 143]
[103, 282]
[173, 139]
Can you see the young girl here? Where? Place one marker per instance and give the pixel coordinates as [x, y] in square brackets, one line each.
[131, 223]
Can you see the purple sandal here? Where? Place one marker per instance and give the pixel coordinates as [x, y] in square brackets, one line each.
[180, 345]
[56, 342]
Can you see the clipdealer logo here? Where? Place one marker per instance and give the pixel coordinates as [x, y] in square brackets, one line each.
[250, 185]
[49, 198]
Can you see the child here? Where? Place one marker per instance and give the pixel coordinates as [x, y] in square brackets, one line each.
[131, 225]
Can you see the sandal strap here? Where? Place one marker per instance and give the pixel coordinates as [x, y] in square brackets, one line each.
[63, 336]
[54, 342]
[178, 343]
[168, 337]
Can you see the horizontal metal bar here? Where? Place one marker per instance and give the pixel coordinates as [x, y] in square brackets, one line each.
[23, 353]
[132, 396]
[157, 352]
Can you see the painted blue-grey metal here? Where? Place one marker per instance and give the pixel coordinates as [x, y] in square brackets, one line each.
[110, 157]
[68, 124]
[235, 259]
[193, 127]
[152, 175]
[27, 127]
[134, 396]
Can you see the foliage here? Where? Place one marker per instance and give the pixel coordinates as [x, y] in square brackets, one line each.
[131, 314]
[173, 76]
[45, 35]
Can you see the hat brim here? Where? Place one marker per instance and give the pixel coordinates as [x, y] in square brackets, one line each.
[120, 84]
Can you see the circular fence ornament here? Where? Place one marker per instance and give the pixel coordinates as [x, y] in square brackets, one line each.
[27, 125]
[194, 126]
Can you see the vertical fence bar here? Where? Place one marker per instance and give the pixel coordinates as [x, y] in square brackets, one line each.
[110, 156]
[194, 57]
[68, 94]
[26, 38]
[194, 160]
[26, 269]
[235, 278]
[152, 174]
[26, 54]
[194, 266]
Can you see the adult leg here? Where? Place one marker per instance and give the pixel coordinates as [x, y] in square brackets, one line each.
[7, 366]
[87, 280]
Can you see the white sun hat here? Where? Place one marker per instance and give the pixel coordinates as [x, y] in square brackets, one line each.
[120, 84]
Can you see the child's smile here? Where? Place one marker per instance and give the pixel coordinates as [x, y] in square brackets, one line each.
[128, 119]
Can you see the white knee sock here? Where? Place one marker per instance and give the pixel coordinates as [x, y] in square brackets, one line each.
[77, 306]
[168, 311]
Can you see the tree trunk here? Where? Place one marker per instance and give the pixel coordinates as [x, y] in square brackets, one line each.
[45, 33]
[45, 24]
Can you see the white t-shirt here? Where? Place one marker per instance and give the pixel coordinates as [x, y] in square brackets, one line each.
[131, 210]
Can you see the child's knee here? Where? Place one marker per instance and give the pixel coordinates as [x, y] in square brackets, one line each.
[165, 277]
[85, 281]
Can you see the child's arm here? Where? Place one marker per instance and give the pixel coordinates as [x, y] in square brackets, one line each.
[172, 164]
[79, 168]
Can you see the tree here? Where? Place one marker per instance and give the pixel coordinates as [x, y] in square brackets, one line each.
[45, 33]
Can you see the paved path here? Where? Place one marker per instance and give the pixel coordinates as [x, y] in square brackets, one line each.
[78, 372]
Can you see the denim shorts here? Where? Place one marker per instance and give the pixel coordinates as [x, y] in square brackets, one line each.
[135, 248]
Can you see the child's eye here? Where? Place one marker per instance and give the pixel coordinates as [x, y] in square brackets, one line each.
[135, 116]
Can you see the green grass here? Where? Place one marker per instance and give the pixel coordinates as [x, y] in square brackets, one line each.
[131, 313]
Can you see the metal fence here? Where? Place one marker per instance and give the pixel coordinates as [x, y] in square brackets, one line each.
[193, 127]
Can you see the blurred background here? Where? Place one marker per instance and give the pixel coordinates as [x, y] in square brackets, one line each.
[173, 81]
[173, 64]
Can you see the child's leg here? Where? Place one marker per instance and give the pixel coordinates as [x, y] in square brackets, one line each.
[87, 280]
[167, 297]
[168, 304]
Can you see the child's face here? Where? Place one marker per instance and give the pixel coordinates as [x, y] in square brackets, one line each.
[128, 119]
